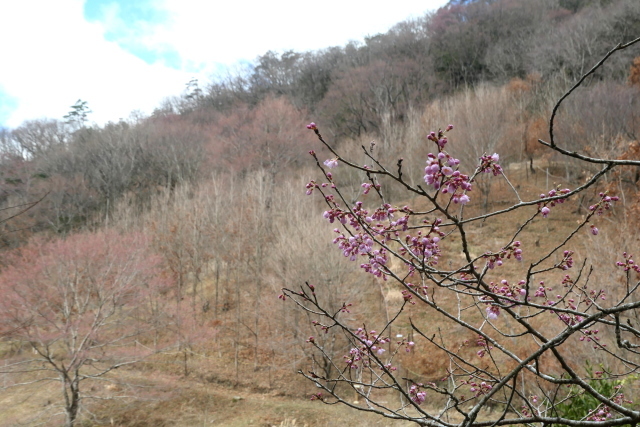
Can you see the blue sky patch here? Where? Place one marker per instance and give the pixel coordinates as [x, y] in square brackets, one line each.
[131, 12]
[8, 105]
[131, 24]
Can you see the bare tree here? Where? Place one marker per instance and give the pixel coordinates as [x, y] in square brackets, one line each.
[37, 137]
[79, 307]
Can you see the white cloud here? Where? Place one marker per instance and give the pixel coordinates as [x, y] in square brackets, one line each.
[55, 57]
[226, 31]
[52, 56]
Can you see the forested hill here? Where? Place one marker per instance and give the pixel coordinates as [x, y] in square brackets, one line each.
[354, 86]
[252, 118]
[188, 223]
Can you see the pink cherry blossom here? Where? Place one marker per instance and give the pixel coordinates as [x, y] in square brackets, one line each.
[331, 163]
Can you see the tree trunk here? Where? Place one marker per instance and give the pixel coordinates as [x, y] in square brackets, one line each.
[72, 401]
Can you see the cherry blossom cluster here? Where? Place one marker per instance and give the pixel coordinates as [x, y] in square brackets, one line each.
[571, 304]
[589, 335]
[545, 207]
[533, 399]
[367, 187]
[442, 171]
[343, 216]
[482, 342]
[425, 246]
[509, 291]
[372, 340]
[371, 343]
[408, 345]
[490, 164]
[619, 398]
[358, 215]
[382, 213]
[601, 414]
[544, 292]
[604, 204]
[440, 174]
[325, 328]
[541, 292]
[352, 246]
[439, 166]
[512, 250]
[362, 243]
[407, 296]
[477, 386]
[570, 319]
[416, 394]
[310, 187]
[402, 222]
[628, 263]
[567, 281]
[480, 388]
[512, 291]
[566, 262]
[493, 311]
[517, 291]
[354, 357]
[439, 138]
[339, 214]
[376, 265]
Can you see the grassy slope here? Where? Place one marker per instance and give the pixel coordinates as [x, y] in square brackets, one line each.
[207, 396]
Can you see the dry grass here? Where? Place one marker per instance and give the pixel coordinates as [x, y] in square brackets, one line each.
[174, 401]
[272, 394]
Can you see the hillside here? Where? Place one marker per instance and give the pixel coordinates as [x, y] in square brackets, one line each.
[164, 242]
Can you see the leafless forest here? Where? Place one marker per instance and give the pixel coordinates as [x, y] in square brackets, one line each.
[142, 260]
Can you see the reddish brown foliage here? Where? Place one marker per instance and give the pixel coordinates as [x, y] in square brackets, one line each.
[267, 136]
[64, 289]
[634, 73]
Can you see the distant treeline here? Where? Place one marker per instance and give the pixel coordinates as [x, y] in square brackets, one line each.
[352, 88]
[444, 63]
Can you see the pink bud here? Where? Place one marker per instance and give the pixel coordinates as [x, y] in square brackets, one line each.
[545, 211]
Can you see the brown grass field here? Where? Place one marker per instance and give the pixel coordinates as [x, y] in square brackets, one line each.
[209, 396]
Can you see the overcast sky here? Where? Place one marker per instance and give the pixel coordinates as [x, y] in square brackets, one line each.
[126, 55]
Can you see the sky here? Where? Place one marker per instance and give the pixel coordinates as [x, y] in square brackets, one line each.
[122, 56]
